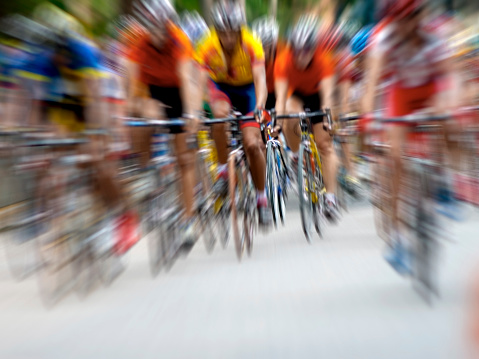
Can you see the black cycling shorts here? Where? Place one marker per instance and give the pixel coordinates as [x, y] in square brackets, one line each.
[311, 103]
[270, 101]
[171, 98]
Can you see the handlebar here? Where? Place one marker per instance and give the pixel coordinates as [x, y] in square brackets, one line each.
[228, 119]
[415, 118]
[144, 122]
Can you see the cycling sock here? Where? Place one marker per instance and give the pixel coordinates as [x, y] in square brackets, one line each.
[261, 197]
[330, 197]
[222, 167]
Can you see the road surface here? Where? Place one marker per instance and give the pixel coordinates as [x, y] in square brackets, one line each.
[335, 298]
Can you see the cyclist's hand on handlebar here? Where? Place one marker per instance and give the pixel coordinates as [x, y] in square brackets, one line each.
[192, 124]
[261, 115]
[276, 130]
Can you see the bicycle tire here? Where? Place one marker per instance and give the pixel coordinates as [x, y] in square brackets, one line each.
[20, 253]
[206, 216]
[305, 201]
[283, 193]
[55, 275]
[318, 206]
[271, 174]
[426, 244]
[157, 250]
[250, 220]
[236, 169]
[381, 202]
[209, 228]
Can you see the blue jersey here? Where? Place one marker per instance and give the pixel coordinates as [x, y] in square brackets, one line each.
[58, 82]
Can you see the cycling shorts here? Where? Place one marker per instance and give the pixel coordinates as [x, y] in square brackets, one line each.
[311, 103]
[241, 98]
[405, 101]
[171, 98]
[270, 101]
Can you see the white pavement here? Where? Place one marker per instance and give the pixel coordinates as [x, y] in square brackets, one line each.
[334, 299]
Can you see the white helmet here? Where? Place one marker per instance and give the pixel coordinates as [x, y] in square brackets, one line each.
[267, 29]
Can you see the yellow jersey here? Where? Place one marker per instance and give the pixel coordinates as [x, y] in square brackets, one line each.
[247, 54]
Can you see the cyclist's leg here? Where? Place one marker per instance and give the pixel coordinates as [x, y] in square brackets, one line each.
[254, 149]
[397, 135]
[186, 159]
[291, 129]
[220, 109]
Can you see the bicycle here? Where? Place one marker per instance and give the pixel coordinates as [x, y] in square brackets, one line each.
[153, 189]
[20, 218]
[417, 212]
[311, 188]
[241, 199]
[277, 171]
[213, 215]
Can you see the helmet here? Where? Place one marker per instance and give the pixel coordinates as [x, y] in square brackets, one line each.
[361, 40]
[154, 13]
[127, 29]
[267, 30]
[304, 34]
[194, 26]
[228, 16]
[27, 31]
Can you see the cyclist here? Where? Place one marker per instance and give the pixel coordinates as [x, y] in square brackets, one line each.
[304, 79]
[163, 60]
[14, 52]
[233, 59]
[417, 64]
[267, 30]
[350, 71]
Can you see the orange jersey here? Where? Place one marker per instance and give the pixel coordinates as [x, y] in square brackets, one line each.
[304, 81]
[159, 66]
[270, 68]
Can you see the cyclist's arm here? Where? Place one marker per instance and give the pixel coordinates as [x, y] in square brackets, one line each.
[374, 65]
[281, 92]
[185, 71]
[344, 91]
[259, 78]
[327, 92]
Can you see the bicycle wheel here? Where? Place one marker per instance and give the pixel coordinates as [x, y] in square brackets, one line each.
[318, 196]
[55, 276]
[304, 190]
[272, 180]
[283, 183]
[237, 186]
[381, 200]
[157, 250]
[426, 245]
[223, 221]
[206, 215]
[250, 214]
[209, 227]
[19, 242]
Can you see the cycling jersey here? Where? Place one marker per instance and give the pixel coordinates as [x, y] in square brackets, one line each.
[158, 67]
[62, 82]
[306, 81]
[409, 66]
[249, 53]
